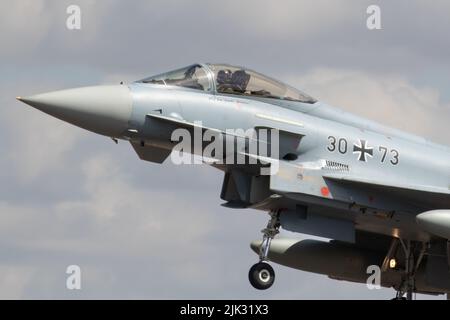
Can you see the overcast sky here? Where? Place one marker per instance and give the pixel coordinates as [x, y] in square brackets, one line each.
[140, 230]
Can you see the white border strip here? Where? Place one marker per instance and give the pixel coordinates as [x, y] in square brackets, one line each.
[267, 117]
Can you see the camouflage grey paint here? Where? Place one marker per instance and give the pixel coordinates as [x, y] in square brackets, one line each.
[351, 179]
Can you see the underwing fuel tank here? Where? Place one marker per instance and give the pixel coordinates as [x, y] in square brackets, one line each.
[436, 222]
[334, 259]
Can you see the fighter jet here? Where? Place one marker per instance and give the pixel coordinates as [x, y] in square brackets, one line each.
[381, 196]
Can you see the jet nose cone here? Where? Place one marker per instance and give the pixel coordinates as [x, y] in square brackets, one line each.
[101, 109]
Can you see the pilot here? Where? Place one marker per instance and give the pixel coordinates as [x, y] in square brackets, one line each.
[224, 80]
[240, 80]
[232, 82]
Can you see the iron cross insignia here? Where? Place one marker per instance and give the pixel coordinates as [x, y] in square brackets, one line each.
[363, 149]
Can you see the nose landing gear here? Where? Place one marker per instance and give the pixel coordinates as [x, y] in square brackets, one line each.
[261, 274]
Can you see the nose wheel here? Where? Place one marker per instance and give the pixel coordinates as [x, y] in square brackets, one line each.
[261, 274]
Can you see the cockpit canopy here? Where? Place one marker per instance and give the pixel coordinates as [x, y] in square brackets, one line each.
[227, 79]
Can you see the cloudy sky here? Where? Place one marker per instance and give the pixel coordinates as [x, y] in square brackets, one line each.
[140, 230]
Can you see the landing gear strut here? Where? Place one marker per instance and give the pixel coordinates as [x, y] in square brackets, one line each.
[413, 258]
[261, 274]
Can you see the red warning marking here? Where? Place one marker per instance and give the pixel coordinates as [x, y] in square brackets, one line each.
[325, 191]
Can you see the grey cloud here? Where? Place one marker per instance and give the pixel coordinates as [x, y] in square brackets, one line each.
[301, 34]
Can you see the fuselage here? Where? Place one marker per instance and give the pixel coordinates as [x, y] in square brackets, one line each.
[349, 145]
[407, 158]
[390, 156]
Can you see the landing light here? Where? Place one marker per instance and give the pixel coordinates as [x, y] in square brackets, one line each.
[392, 263]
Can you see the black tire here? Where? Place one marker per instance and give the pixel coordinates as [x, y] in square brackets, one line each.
[261, 276]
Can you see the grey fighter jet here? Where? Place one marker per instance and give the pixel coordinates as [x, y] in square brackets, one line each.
[382, 196]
